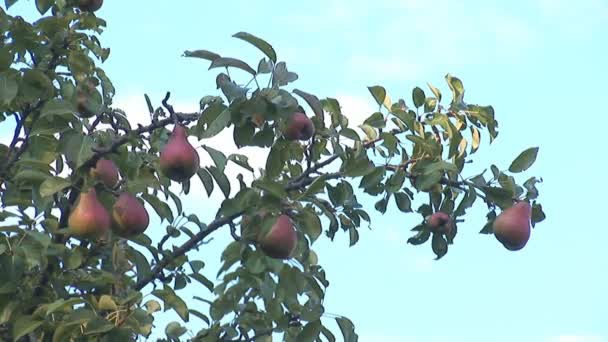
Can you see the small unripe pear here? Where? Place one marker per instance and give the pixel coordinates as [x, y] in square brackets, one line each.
[440, 222]
[179, 161]
[106, 171]
[512, 226]
[89, 5]
[280, 242]
[299, 127]
[129, 216]
[89, 216]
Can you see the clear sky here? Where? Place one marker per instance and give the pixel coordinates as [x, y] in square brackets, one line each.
[538, 62]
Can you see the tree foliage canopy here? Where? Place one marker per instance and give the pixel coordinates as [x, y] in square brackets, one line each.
[55, 285]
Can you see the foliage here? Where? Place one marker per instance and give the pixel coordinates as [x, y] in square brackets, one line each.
[55, 286]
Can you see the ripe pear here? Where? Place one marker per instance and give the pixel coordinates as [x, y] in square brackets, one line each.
[89, 216]
[512, 226]
[89, 5]
[299, 127]
[440, 222]
[129, 217]
[281, 240]
[106, 171]
[179, 160]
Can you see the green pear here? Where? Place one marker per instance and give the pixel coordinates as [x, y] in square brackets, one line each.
[179, 161]
[89, 217]
[440, 222]
[129, 216]
[299, 127]
[512, 226]
[281, 240]
[106, 171]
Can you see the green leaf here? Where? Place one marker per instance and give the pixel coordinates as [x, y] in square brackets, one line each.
[418, 96]
[217, 125]
[350, 133]
[203, 280]
[241, 160]
[218, 157]
[376, 120]
[25, 325]
[259, 43]
[221, 180]
[281, 76]
[537, 214]
[9, 87]
[162, 209]
[316, 186]
[476, 136]
[221, 62]
[403, 202]
[98, 325]
[421, 237]
[435, 91]
[312, 101]
[430, 103]
[174, 330]
[457, 88]
[206, 179]
[204, 54]
[347, 328]
[270, 187]
[171, 300]
[53, 185]
[44, 5]
[310, 332]
[439, 246]
[85, 151]
[440, 166]
[369, 131]
[311, 224]
[380, 95]
[353, 236]
[524, 160]
[61, 303]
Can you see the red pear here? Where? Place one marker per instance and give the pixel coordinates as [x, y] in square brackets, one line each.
[299, 127]
[89, 217]
[129, 217]
[512, 226]
[440, 222]
[179, 160]
[280, 242]
[106, 171]
[89, 5]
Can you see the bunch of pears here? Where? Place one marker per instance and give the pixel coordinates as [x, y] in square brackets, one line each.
[511, 227]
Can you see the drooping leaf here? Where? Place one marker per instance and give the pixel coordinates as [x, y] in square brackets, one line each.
[524, 160]
[221, 62]
[259, 43]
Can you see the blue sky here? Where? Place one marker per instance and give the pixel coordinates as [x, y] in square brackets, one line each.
[538, 62]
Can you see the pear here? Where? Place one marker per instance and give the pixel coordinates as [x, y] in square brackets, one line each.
[281, 240]
[440, 222]
[299, 127]
[89, 5]
[106, 171]
[129, 217]
[179, 160]
[512, 226]
[89, 216]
